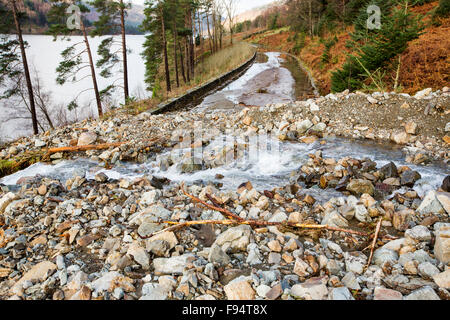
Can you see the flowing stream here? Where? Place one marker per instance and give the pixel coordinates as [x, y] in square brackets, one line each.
[272, 164]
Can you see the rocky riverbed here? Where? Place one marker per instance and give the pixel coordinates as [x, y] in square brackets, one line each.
[86, 234]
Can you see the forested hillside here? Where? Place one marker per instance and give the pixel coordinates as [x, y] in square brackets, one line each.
[37, 17]
[409, 52]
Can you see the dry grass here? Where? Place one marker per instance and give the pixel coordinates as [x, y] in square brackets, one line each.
[275, 39]
[425, 63]
[223, 61]
[312, 55]
[211, 67]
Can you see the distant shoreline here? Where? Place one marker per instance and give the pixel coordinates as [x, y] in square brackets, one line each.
[44, 34]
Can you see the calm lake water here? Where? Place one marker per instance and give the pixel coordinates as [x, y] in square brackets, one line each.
[44, 55]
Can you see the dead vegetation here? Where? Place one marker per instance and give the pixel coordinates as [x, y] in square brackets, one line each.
[424, 64]
[426, 61]
[208, 68]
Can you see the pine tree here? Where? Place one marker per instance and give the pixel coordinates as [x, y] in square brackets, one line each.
[161, 8]
[111, 22]
[174, 9]
[374, 49]
[155, 23]
[72, 56]
[11, 66]
[169, 25]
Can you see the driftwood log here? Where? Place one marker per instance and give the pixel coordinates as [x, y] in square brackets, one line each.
[26, 159]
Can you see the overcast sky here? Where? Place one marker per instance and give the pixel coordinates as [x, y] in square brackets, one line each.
[242, 5]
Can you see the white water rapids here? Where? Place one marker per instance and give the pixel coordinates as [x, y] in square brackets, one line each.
[266, 170]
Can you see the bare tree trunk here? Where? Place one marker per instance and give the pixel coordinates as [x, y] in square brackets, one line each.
[91, 65]
[47, 117]
[191, 43]
[182, 62]
[230, 8]
[202, 40]
[175, 51]
[124, 51]
[200, 30]
[310, 18]
[221, 36]
[166, 62]
[25, 68]
[42, 105]
[209, 34]
[215, 31]
[194, 32]
[231, 35]
[188, 72]
[27, 106]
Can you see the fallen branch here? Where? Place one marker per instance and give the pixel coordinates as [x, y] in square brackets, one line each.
[26, 159]
[374, 242]
[253, 223]
[226, 212]
[262, 223]
[214, 202]
[102, 146]
[179, 225]
[85, 148]
[236, 220]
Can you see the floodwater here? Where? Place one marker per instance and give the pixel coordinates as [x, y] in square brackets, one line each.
[265, 82]
[271, 164]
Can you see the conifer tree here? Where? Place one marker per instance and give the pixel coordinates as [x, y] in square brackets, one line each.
[374, 49]
[111, 22]
[442, 10]
[169, 25]
[161, 7]
[152, 46]
[73, 62]
[11, 66]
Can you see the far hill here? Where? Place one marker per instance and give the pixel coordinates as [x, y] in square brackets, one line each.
[255, 12]
[37, 17]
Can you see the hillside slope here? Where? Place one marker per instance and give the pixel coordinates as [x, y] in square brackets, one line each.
[425, 62]
[37, 11]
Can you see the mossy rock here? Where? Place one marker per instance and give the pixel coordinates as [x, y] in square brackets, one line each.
[6, 167]
[20, 162]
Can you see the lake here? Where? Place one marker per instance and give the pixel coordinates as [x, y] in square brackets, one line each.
[44, 55]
